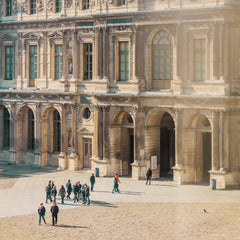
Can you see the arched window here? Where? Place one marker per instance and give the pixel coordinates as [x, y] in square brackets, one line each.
[6, 128]
[162, 53]
[56, 131]
[30, 130]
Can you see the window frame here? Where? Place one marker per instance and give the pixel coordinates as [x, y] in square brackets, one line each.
[33, 7]
[8, 8]
[202, 60]
[120, 2]
[85, 5]
[126, 55]
[87, 61]
[34, 55]
[58, 64]
[11, 64]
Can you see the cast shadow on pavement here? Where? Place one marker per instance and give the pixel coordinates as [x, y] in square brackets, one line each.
[130, 193]
[102, 203]
[69, 226]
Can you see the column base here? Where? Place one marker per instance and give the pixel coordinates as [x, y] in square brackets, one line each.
[225, 179]
[178, 174]
[102, 164]
[12, 156]
[62, 161]
[73, 162]
[138, 171]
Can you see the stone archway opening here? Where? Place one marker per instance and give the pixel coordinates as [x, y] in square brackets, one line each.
[122, 143]
[160, 144]
[167, 146]
[198, 141]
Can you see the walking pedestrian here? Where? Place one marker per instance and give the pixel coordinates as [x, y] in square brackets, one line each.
[118, 181]
[41, 213]
[92, 181]
[115, 186]
[62, 193]
[87, 194]
[75, 192]
[69, 188]
[54, 193]
[48, 192]
[148, 176]
[54, 210]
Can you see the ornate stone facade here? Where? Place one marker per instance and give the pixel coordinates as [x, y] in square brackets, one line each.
[123, 87]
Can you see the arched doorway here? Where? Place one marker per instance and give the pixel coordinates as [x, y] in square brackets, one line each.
[198, 149]
[160, 143]
[51, 137]
[5, 128]
[167, 145]
[122, 143]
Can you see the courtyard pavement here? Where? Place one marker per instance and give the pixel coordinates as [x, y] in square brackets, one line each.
[29, 190]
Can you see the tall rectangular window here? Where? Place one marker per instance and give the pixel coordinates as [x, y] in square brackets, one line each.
[58, 6]
[199, 60]
[85, 4]
[8, 7]
[33, 6]
[88, 61]
[58, 61]
[9, 63]
[33, 65]
[123, 61]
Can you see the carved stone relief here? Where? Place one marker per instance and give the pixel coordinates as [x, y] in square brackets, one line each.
[14, 6]
[68, 3]
[40, 6]
[24, 6]
[49, 5]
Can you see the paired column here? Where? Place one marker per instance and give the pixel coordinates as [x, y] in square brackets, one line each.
[98, 132]
[105, 133]
[12, 132]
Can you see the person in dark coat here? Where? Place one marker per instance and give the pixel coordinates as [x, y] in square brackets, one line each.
[41, 213]
[48, 190]
[92, 181]
[87, 194]
[54, 210]
[69, 188]
[75, 191]
[54, 193]
[62, 193]
[148, 176]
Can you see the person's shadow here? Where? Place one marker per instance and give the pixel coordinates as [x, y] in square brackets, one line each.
[70, 226]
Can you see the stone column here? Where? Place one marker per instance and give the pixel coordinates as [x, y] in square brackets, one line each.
[65, 63]
[98, 132]
[45, 61]
[13, 133]
[106, 133]
[62, 159]
[178, 169]
[37, 127]
[105, 53]
[73, 159]
[215, 140]
[139, 147]
[19, 62]
[75, 59]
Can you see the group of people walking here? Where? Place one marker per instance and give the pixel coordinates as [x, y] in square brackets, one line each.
[80, 191]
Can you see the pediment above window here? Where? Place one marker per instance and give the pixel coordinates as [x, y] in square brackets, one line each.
[55, 35]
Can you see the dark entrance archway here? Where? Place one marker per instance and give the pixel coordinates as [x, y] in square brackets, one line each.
[122, 143]
[167, 146]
